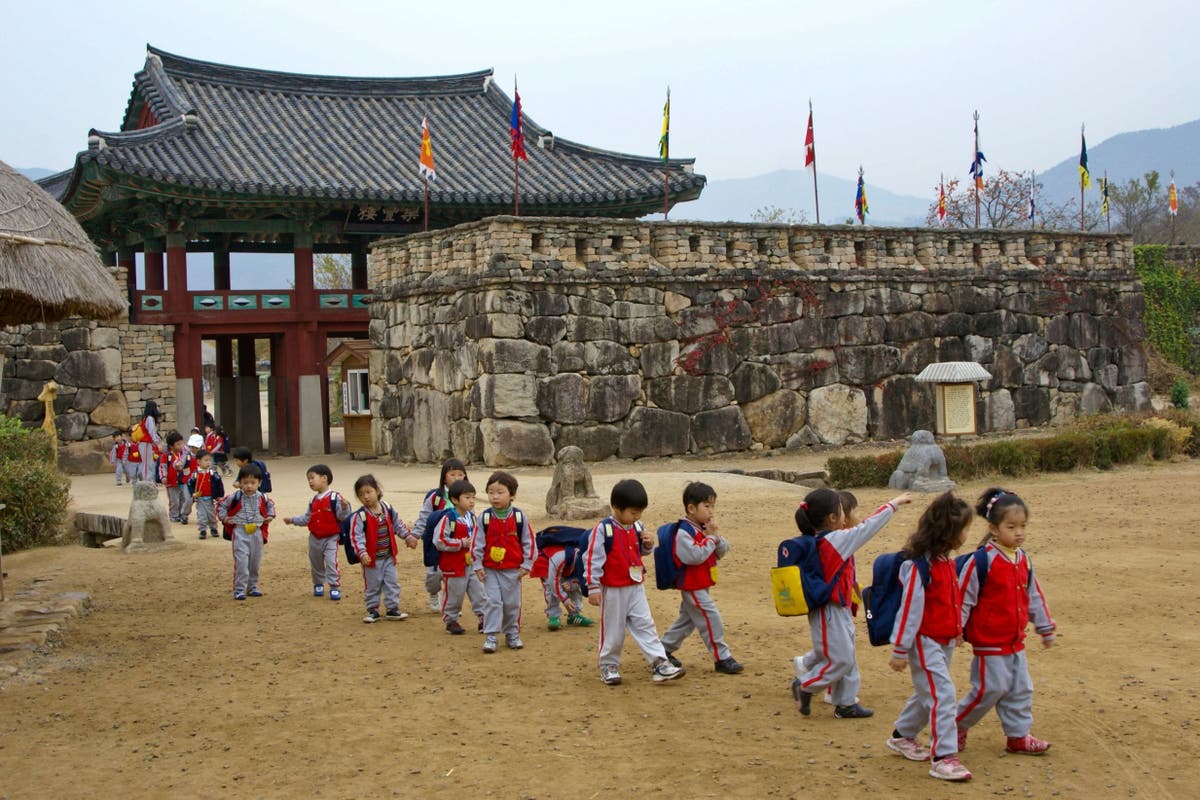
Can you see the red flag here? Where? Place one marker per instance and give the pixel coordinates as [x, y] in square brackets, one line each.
[515, 130]
[810, 148]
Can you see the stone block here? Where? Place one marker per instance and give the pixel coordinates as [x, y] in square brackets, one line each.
[837, 414]
[1094, 400]
[805, 437]
[750, 342]
[954, 324]
[773, 418]
[88, 457]
[1058, 329]
[655, 432]
[658, 359]
[1000, 414]
[514, 355]
[690, 394]
[979, 349]
[1072, 366]
[569, 357]
[546, 330]
[697, 321]
[708, 356]
[466, 442]
[842, 304]
[610, 397]
[508, 442]
[751, 380]
[909, 327]
[883, 300]
[902, 405]
[1134, 397]
[804, 371]
[780, 308]
[815, 332]
[867, 365]
[98, 369]
[86, 399]
[551, 304]
[860, 330]
[430, 426]
[34, 369]
[597, 442]
[993, 323]
[1043, 372]
[506, 395]
[71, 426]
[720, 431]
[1131, 364]
[674, 303]
[77, 339]
[1031, 405]
[1085, 331]
[561, 398]
[586, 329]
[1030, 347]
[608, 358]
[917, 356]
[974, 299]
[638, 330]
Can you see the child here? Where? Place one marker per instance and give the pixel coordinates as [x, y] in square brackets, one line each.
[216, 443]
[373, 533]
[502, 553]
[324, 518]
[435, 500]
[562, 590]
[833, 663]
[206, 489]
[697, 548]
[453, 541]
[195, 442]
[175, 468]
[246, 514]
[926, 630]
[243, 456]
[614, 575]
[135, 462]
[994, 617]
[118, 456]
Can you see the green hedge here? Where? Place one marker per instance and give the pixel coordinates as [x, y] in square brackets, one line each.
[34, 492]
[1172, 293]
[1100, 442]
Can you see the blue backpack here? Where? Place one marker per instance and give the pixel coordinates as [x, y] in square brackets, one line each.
[551, 540]
[802, 552]
[430, 555]
[667, 574]
[344, 538]
[580, 566]
[882, 598]
[981, 565]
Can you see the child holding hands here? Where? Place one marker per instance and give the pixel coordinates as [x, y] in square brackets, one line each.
[373, 533]
[324, 518]
[452, 538]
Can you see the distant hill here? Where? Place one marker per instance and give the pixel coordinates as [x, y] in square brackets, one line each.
[35, 173]
[735, 200]
[1127, 156]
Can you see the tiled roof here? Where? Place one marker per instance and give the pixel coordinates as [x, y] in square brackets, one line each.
[233, 130]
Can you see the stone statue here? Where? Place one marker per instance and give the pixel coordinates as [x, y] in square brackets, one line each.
[923, 467]
[49, 392]
[148, 527]
[572, 495]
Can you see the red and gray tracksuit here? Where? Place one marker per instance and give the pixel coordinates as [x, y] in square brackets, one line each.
[435, 500]
[618, 575]
[832, 662]
[697, 554]
[118, 456]
[561, 592]
[206, 489]
[374, 535]
[499, 550]
[255, 510]
[994, 621]
[324, 524]
[927, 625]
[175, 470]
[452, 538]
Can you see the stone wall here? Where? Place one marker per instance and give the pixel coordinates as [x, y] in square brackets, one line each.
[503, 340]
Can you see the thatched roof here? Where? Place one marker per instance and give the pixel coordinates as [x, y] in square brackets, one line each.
[49, 269]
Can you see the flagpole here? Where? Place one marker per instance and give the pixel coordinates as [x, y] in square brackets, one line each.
[1107, 219]
[1173, 212]
[978, 168]
[1083, 143]
[1032, 190]
[816, 197]
[426, 203]
[667, 160]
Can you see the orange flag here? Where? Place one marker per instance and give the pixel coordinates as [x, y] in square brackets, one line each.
[425, 164]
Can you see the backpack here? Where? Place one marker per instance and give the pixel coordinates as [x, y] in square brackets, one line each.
[882, 598]
[265, 486]
[235, 506]
[344, 537]
[138, 434]
[429, 554]
[579, 567]
[667, 573]
[982, 564]
[798, 580]
[549, 541]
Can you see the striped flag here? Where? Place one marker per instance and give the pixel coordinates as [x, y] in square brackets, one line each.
[861, 209]
[664, 141]
[1104, 195]
[515, 131]
[977, 164]
[1085, 177]
[810, 147]
[1032, 208]
[425, 162]
[1172, 199]
[941, 212]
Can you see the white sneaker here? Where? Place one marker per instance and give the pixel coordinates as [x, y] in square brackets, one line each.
[666, 671]
[610, 676]
[489, 644]
[513, 641]
[435, 602]
[909, 748]
[949, 769]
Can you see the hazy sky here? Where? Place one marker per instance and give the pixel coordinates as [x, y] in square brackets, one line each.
[893, 82]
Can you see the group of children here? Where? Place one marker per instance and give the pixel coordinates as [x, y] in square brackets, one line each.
[987, 598]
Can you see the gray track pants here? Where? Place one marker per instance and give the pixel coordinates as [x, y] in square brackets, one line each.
[932, 701]
[625, 608]
[698, 612]
[206, 514]
[454, 590]
[502, 603]
[179, 501]
[380, 578]
[323, 561]
[833, 662]
[1003, 683]
[247, 555]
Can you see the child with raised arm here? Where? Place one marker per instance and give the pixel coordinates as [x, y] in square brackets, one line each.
[175, 468]
[453, 542]
[324, 518]
[615, 579]
[206, 488]
[118, 456]
[245, 515]
[698, 546]
[833, 662]
[927, 628]
[1000, 597]
[373, 532]
[435, 500]
[502, 554]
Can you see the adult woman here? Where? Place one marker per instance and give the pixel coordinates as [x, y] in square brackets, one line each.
[150, 417]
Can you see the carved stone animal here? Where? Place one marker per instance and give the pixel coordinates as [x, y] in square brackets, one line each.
[572, 495]
[148, 526]
[923, 467]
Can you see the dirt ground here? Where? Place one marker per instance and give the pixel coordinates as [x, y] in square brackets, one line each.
[169, 688]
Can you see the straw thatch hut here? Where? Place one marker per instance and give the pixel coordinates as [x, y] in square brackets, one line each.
[49, 269]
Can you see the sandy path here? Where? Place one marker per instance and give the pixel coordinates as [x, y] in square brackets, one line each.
[170, 688]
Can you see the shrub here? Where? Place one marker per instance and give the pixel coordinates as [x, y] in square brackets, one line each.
[34, 492]
[846, 471]
[1179, 393]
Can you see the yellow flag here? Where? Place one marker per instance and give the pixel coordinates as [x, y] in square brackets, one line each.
[664, 143]
[425, 163]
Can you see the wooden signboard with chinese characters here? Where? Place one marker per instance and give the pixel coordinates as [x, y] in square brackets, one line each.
[955, 408]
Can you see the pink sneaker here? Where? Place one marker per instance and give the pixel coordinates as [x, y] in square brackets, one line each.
[909, 748]
[949, 769]
[1027, 744]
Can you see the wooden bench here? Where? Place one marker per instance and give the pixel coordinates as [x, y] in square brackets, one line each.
[96, 529]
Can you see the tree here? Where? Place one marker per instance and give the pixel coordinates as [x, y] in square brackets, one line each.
[774, 215]
[330, 271]
[1004, 203]
[1141, 207]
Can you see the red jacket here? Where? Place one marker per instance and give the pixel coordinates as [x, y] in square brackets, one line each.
[942, 620]
[696, 576]
[453, 531]
[322, 521]
[996, 615]
[511, 534]
[617, 565]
